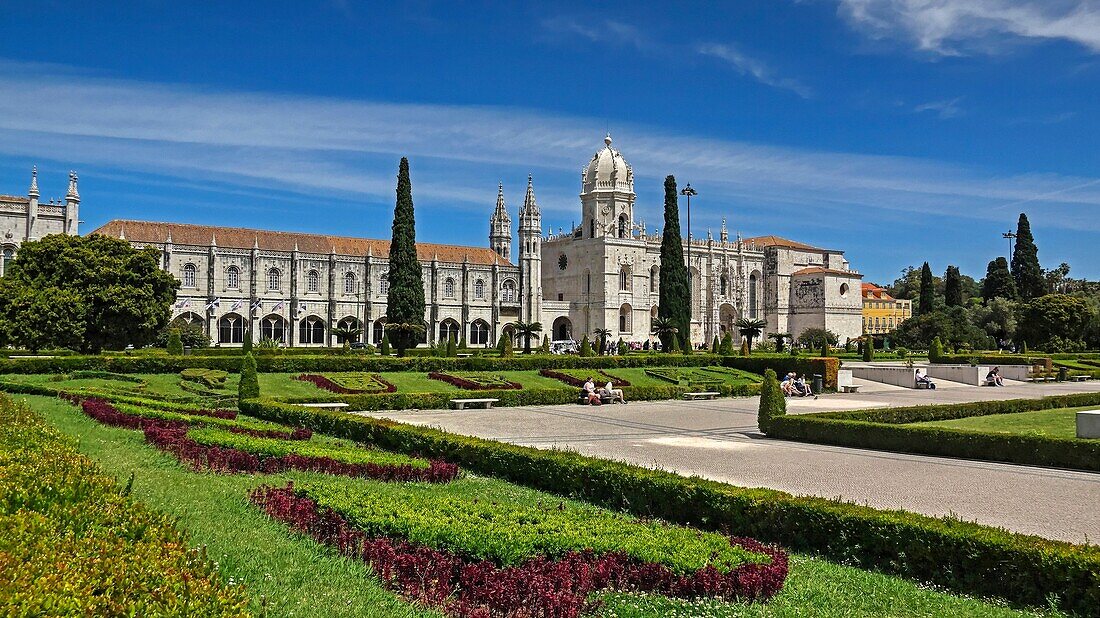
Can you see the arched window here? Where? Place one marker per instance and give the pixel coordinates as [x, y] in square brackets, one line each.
[313, 281]
[349, 324]
[624, 279]
[9, 255]
[479, 332]
[350, 286]
[592, 228]
[479, 289]
[273, 328]
[384, 284]
[233, 278]
[508, 291]
[624, 319]
[379, 330]
[231, 329]
[623, 226]
[449, 328]
[723, 284]
[273, 280]
[189, 275]
[654, 278]
[752, 296]
[311, 330]
[448, 288]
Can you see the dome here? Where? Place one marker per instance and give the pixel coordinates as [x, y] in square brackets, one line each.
[607, 171]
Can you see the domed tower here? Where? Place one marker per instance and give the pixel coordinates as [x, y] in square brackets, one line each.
[500, 228]
[607, 194]
[530, 256]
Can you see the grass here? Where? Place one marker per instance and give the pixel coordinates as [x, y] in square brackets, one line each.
[1057, 423]
[296, 577]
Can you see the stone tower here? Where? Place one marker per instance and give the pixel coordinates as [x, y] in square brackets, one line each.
[530, 257]
[72, 206]
[607, 195]
[500, 228]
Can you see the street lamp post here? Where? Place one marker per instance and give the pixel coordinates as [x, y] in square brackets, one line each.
[687, 191]
[1009, 235]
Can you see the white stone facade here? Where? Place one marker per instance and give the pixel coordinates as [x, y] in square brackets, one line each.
[24, 218]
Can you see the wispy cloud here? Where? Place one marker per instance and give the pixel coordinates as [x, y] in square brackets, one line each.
[957, 27]
[948, 108]
[338, 147]
[747, 65]
[605, 30]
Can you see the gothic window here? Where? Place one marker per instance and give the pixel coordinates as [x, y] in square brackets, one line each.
[723, 283]
[273, 328]
[189, 275]
[508, 291]
[313, 281]
[311, 330]
[654, 277]
[384, 284]
[479, 289]
[379, 330]
[349, 283]
[349, 324]
[623, 225]
[448, 329]
[233, 278]
[624, 279]
[449, 288]
[273, 280]
[479, 333]
[9, 255]
[231, 329]
[752, 296]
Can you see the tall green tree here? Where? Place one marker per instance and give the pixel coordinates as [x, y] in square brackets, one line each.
[1025, 263]
[952, 287]
[998, 282]
[87, 293]
[674, 298]
[405, 301]
[601, 339]
[927, 291]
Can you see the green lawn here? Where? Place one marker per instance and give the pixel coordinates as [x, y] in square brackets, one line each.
[290, 575]
[1059, 423]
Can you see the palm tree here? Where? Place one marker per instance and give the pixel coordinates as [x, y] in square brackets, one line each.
[526, 330]
[779, 338]
[665, 329]
[750, 329]
[344, 335]
[602, 334]
[406, 332]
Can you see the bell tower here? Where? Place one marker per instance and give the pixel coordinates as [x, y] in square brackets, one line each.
[530, 257]
[500, 228]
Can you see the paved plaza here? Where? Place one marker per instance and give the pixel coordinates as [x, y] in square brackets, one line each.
[719, 440]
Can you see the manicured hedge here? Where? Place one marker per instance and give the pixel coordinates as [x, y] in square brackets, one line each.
[210, 378]
[886, 429]
[73, 544]
[962, 556]
[994, 359]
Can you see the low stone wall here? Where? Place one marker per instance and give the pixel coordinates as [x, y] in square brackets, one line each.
[966, 374]
[1015, 372]
[898, 375]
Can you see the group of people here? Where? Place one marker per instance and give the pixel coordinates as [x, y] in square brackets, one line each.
[594, 396]
[795, 386]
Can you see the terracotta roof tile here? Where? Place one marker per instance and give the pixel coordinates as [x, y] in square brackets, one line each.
[200, 235]
[779, 241]
[821, 270]
[15, 198]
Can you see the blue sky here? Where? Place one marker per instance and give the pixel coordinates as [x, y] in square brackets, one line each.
[899, 130]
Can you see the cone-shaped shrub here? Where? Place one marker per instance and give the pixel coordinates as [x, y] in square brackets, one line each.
[935, 351]
[586, 346]
[249, 386]
[726, 347]
[714, 344]
[772, 402]
[247, 347]
[868, 348]
[175, 343]
[384, 347]
[452, 347]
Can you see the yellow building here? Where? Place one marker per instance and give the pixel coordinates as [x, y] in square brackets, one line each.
[883, 313]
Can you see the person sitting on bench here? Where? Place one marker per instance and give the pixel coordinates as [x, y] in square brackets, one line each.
[593, 397]
[616, 394]
[787, 386]
[993, 378]
[924, 379]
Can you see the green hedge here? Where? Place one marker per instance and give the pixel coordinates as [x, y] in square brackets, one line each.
[994, 359]
[962, 556]
[74, 544]
[887, 429]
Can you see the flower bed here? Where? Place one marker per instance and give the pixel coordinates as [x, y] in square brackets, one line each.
[349, 383]
[74, 544]
[538, 586]
[576, 377]
[475, 381]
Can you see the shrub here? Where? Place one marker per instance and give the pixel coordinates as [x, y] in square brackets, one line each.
[935, 351]
[586, 346]
[475, 381]
[175, 343]
[249, 385]
[962, 556]
[246, 347]
[772, 402]
[868, 348]
[714, 345]
[622, 349]
[210, 378]
[384, 347]
[726, 347]
[348, 384]
[452, 347]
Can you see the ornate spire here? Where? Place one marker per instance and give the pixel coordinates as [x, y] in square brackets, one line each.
[168, 240]
[33, 191]
[213, 240]
[724, 235]
[256, 242]
[72, 195]
[607, 139]
[530, 206]
[501, 211]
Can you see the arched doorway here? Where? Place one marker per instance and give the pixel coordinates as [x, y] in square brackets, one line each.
[231, 329]
[727, 315]
[563, 329]
[479, 332]
[449, 328]
[379, 330]
[625, 319]
[311, 331]
[273, 328]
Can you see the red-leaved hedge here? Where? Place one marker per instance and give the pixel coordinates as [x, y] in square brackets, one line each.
[327, 384]
[470, 385]
[575, 381]
[558, 587]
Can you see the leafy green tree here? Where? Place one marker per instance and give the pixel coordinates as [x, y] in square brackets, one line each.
[868, 348]
[674, 292]
[780, 340]
[405, 301]
[409, 332]
[1054, 318]
[772, 402]
[750, 329]
[249, 385]
[927, 291]
[815, 337]
[384, 346]
[998, 318]
[601, 335]
[952, 290]
[998, 282]
[726, 347]
[87, 293]
[952, 325]
[666, 329]
[1025, 263]
[525, 331]
[175, 342]
[622, 349]
[586, 346]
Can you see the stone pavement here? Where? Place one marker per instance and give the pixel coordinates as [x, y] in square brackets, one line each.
[719, 440]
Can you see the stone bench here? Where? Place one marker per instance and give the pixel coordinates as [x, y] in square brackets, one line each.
[335, 405]
[1088, 424]
[1080, 378]
[460, 404]
[701, 395]
[849, 388]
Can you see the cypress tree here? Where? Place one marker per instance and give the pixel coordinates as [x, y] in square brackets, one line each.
[674, 298]
[545, 347]
[868, 348]
[714, 345]
[1025, 263]
[772, 402]
[726, 347]
[998, 282]
[586, 346]
[175, 342]
[952, 287]
[506, 349]
[384, 347]
[935, 351]
[927, 291]
[452, 347]
[405, 301]
[249, 385]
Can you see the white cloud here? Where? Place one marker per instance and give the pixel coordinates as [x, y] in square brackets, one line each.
[746, 65]
[955, 27]
[948, 108]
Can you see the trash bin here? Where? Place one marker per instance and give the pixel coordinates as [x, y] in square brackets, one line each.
[1062, 377]
[187, 350]
[819, 383]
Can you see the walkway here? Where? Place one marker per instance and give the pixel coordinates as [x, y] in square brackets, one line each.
[719, 440]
